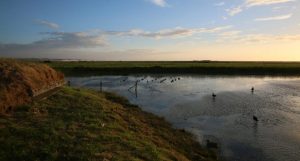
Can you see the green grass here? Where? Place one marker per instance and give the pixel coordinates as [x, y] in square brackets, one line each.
[161, 67]
[79, 124]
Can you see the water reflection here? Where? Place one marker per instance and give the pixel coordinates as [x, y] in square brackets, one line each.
[227, 119]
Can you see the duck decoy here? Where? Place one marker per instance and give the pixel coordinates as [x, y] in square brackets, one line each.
[210, 144]
[214, 95]
[255, 118]
[69, 83]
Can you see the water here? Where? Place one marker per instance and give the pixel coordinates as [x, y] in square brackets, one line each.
[187, 103]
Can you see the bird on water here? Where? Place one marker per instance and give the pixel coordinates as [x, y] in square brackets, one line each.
[214, 95]
[255, 118]
[210, 144]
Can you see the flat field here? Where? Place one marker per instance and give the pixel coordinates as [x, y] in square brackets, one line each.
[177, 67]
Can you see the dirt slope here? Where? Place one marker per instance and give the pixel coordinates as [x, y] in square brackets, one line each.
[20, 81]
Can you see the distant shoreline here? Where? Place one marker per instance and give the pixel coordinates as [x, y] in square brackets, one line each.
[79, 68]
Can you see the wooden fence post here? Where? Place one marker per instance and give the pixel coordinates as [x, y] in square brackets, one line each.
[100, 86]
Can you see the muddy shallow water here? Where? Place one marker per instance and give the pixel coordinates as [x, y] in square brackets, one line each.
[186, 102]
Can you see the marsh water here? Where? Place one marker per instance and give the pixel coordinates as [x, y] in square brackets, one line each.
[186, 101]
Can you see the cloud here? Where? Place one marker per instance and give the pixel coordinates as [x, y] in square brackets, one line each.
[250, 3]
[262, 38]
[220, 4]
[161, 3]
[235, 10]
[253, 3]
[73, 39]
[237, 37]
[230, 33]
[51, 25]
[167, 33]
[57, 40]
[97, 38]
[57, 43]
[274, 18]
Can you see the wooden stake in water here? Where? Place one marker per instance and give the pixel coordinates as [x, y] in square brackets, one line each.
[136, 85]
[100, 86]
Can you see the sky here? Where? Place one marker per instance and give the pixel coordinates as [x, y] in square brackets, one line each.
[225, 30]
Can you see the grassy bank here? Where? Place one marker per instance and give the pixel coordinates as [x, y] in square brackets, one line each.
[192, 67]
[79, 124]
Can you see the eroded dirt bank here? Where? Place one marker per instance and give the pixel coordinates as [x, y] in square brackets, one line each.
[21, 81]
